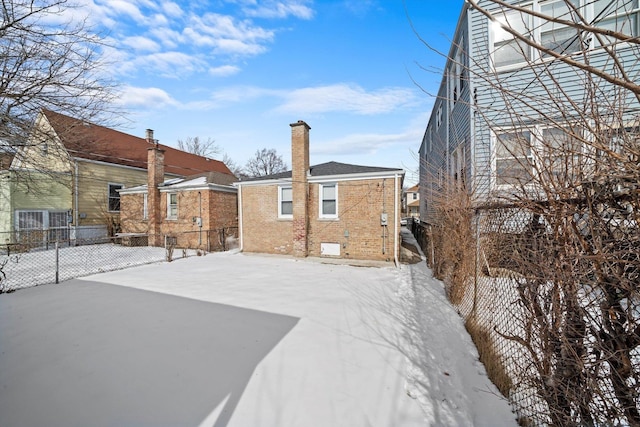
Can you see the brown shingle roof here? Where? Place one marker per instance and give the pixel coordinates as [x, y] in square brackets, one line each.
[93, 142]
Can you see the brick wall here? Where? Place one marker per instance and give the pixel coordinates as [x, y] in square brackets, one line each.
[261, 229]
[360, 204]
[357, 229]
[218, 209]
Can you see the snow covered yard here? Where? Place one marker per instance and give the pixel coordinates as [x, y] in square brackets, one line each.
[238, 340]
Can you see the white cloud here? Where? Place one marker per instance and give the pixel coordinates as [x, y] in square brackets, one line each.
[170, 64]
[172, 9]
[365, 144]
[223, 71]
[151, 97]
[346, 98]
[280, 9]
[242, 93]
[140, 43]
[120, 7]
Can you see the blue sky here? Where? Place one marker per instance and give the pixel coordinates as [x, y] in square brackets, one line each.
[240, 71]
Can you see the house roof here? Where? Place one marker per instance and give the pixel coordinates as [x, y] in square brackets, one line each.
[413, 189]
[328, 169]
[198, 180]
[93, 142]
[414, 204]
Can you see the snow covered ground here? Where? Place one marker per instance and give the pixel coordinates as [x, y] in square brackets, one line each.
[230, 339]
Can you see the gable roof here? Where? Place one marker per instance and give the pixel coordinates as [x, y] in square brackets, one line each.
[93, 142]
[212, 180]
[328, 169]
[414, 189]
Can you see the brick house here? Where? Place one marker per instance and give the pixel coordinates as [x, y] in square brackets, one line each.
[194, 211]
[328, 210]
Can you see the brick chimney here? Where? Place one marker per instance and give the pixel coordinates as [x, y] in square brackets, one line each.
[149, 136]
[155, 177]
[300, 186]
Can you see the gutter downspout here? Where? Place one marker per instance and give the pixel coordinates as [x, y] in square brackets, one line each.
[240, 235]
[76, 216]
[395, 222]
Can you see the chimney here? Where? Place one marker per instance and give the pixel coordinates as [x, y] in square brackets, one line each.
[149, 136]
[300, 186]
[155, 177]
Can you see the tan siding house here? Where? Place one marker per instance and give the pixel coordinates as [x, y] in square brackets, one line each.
[329, 210]
[77, 168]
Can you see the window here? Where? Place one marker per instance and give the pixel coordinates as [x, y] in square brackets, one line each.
[549, 153]
[618, 16]
[114, 197]
[458, 162]
[558, 37]
[456, 74]
[172, 205]
[36, 227]
[439, 116]
[514, 162]
[415, 196]
[506, 49]
[145, 206]
[562, 152]
[328, 201]
[285, 202]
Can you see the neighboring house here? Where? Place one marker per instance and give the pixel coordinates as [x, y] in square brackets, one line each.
[63, 183]
[412, 202]
[332, 209]
[190, 210]
[501, 101]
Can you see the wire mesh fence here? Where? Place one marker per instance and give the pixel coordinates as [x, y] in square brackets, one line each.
[556, 322]
[31, 259]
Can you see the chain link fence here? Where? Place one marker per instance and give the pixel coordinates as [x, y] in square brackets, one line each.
[32, 259]
[553, 306]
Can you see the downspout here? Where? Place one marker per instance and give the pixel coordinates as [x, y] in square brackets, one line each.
[384, 211]
[395, 221]
[76, 216]
[200, 218]
[240, 217]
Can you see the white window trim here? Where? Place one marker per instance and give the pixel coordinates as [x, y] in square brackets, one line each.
[280, 214]
[145, 206]
[109, 195]
[536, 25]
[321, 214]
[537, 150]
[169, 216]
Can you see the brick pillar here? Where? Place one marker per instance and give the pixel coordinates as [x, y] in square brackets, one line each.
[155, 177]
[300, 186]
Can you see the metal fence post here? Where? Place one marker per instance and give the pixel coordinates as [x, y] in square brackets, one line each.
[57, 263]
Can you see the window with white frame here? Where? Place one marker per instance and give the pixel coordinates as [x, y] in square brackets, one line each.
[547, 152]
[620, 16]
[507, 50]
[145, 206]
[456, 74]
[114, 197]
[562, 152]
[172, 205]
[458, 162]
[329, 200]
[285, 202]
[558, 37]
[513, 157]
